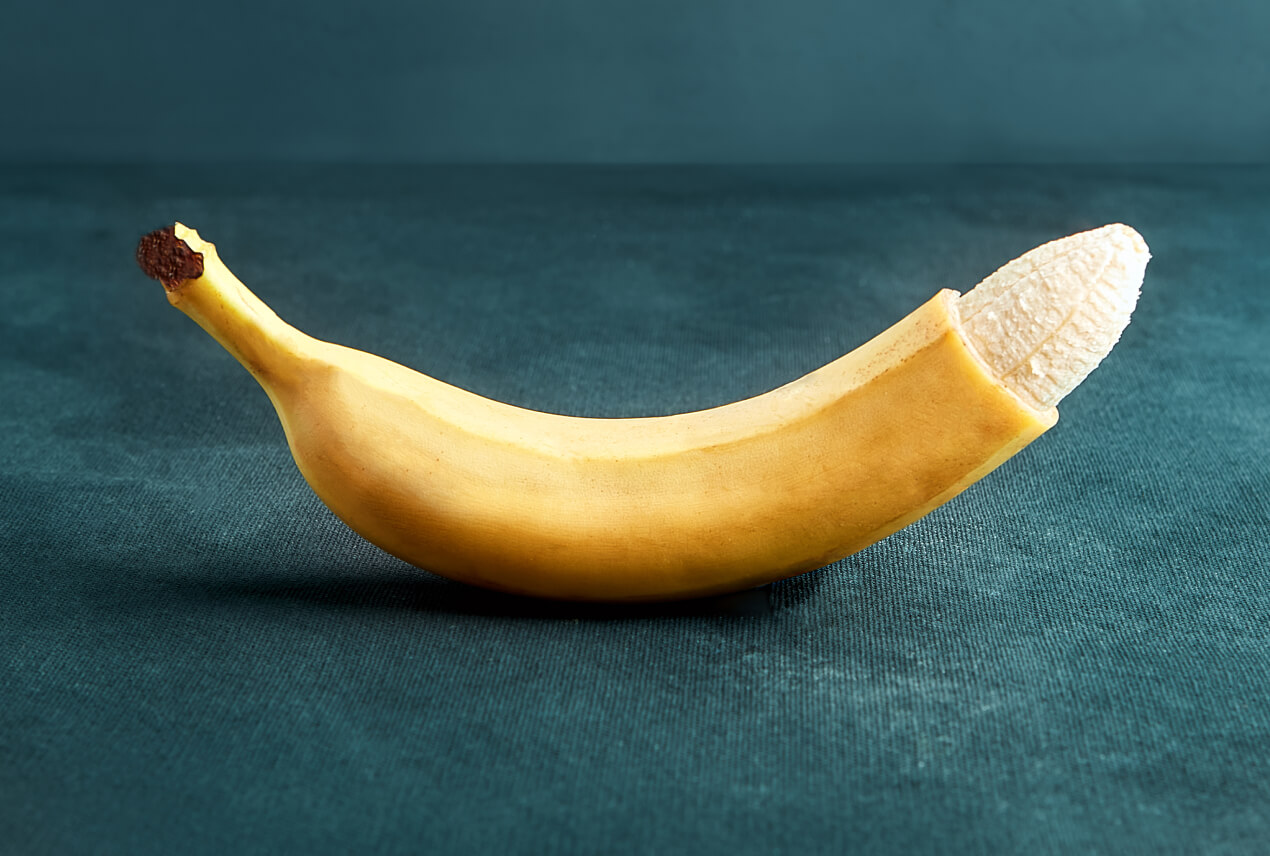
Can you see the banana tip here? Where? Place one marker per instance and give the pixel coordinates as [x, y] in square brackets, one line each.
[167, 258]
[1127, 239]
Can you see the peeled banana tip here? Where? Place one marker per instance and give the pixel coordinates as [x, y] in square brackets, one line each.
[165, 257]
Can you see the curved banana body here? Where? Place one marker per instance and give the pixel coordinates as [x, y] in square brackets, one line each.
[628, 509]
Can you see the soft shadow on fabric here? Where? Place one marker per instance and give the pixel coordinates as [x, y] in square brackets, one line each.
[431, 594]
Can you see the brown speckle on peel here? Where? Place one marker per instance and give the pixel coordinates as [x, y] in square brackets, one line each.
[165, 257]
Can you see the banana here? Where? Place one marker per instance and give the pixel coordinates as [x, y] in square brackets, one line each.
[692, 504]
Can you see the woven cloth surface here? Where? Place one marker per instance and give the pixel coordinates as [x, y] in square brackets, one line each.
[197, 657]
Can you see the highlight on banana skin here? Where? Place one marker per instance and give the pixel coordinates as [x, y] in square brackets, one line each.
[691, 504]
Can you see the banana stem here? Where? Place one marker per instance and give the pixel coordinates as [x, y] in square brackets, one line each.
[200, 285]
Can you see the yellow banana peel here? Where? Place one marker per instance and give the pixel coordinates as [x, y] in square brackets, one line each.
[692, 504]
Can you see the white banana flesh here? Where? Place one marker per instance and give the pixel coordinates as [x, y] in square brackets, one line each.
[691, 504]
[1044, 321]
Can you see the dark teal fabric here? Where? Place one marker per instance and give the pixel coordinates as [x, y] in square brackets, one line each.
[197, 658]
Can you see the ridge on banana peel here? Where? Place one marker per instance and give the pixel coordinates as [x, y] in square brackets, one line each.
[692, 504]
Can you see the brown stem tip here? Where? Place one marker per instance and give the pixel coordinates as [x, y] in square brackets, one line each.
[165, 257]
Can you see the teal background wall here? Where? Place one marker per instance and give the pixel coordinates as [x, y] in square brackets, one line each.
[637, 80]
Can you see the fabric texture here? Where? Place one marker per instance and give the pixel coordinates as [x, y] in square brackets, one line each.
[197, 657]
